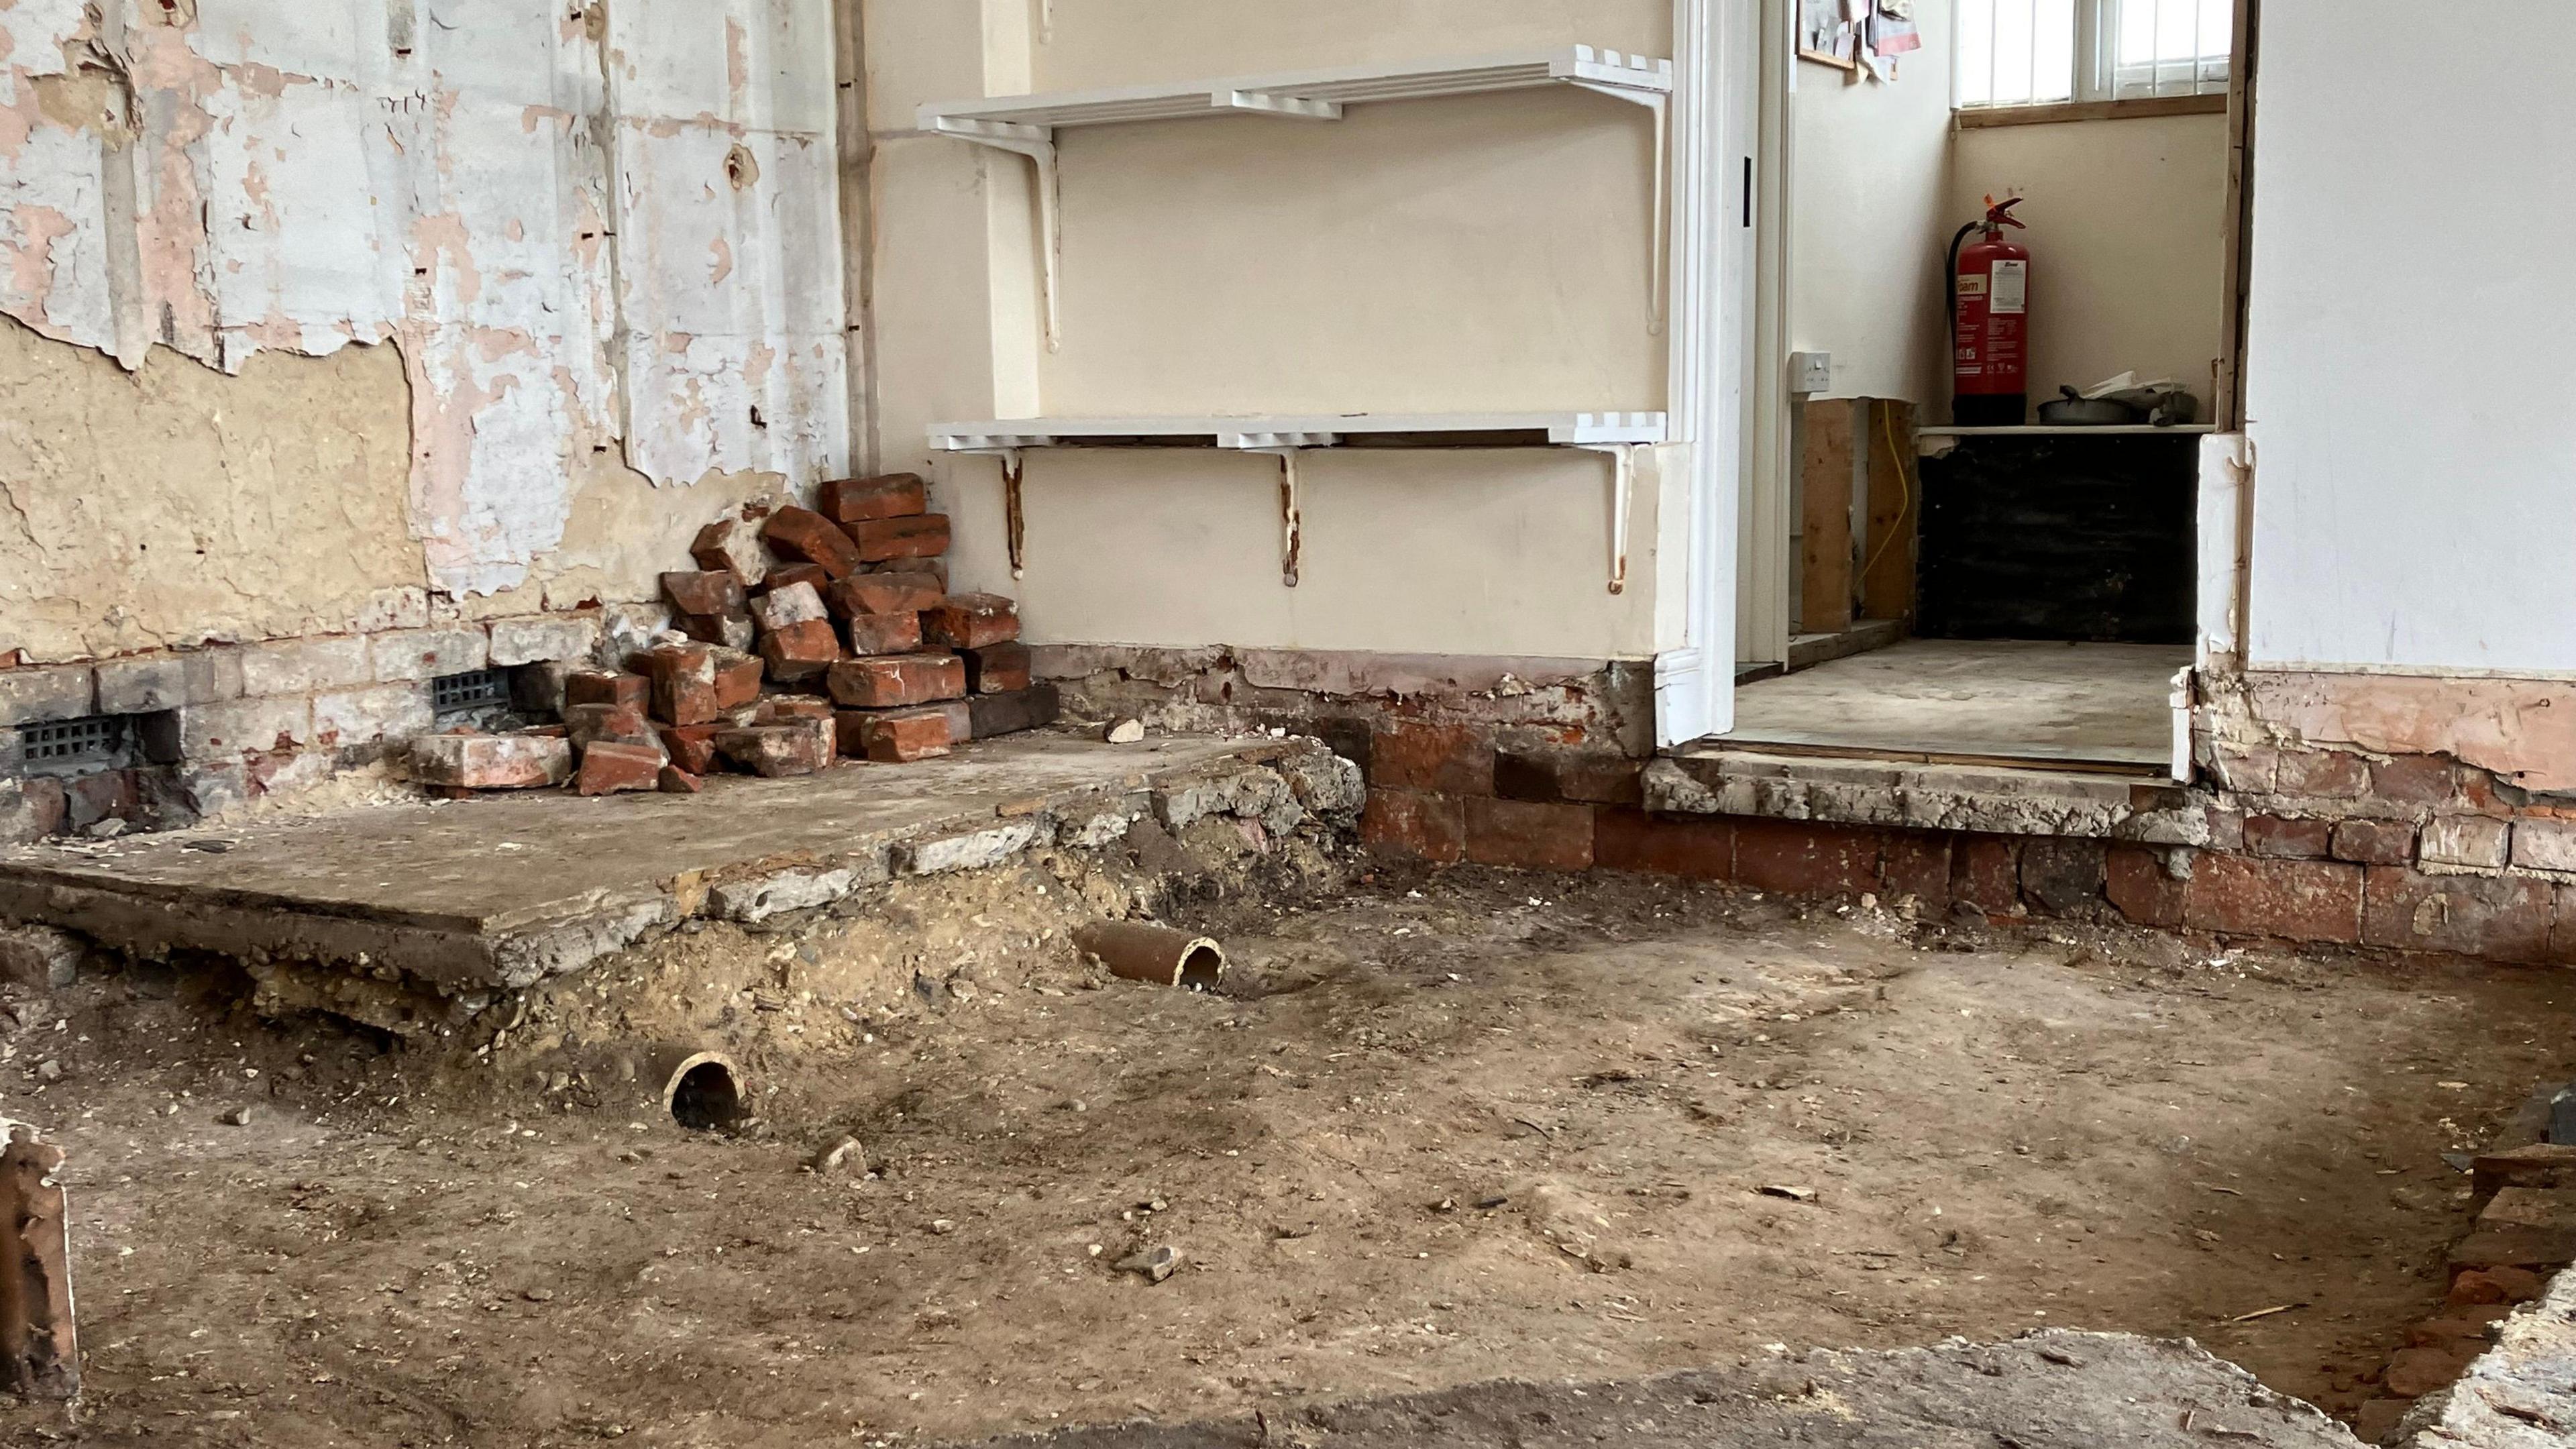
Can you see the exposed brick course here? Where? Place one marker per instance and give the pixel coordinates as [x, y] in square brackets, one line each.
[2325, 774]
[2284, 839]
[1697, 848]
[428, 653]
[2297, 900]
[2501, 918]
[2472, 841]
[1412, 825]
[1583, 776]
[1447, 759]
[1803, 858]
[2140, 888]
[2375, 842]
[1527, 834]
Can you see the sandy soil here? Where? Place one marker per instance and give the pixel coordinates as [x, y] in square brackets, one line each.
[1445, 1129]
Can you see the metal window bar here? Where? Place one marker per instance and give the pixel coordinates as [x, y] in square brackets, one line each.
[474, 689]
[70, 743]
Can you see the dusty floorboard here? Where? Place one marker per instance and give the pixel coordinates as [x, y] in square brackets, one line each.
[2083, 703]
[1443, 1131]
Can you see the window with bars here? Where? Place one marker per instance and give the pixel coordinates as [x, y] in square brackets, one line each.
[2050, 52]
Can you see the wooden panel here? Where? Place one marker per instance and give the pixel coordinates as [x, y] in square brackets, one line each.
[1825, 478]
[2140, 109]
[1889, 544]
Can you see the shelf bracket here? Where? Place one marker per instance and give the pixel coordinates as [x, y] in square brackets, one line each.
[1276, 103]
[1292, 518]
[1623, 476]
[1659, 266]
[1038, 144]
[1015, 517]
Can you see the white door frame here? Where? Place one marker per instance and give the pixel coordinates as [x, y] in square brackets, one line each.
[1721, 185]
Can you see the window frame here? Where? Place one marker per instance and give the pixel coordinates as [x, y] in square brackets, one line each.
[2098, 79]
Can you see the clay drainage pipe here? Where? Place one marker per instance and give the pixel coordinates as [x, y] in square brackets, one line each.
[702, 1090]
[1135, 951]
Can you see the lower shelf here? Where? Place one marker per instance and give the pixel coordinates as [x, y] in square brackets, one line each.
[1320, 430]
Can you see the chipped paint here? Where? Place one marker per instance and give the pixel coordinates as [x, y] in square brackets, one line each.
[524, 199]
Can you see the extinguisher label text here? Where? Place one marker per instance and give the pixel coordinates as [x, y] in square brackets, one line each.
[2012, 287]
[1972, 286]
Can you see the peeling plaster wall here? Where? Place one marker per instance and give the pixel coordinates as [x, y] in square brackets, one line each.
[600, 238]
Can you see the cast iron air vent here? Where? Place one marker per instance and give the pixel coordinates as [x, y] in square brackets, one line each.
[474, 689]
[65, 747]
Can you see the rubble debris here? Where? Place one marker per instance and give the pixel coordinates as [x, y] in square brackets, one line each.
[1793, 1194]
[841, 1154]
[1139, 951]
[701, 1090]
[39, 957]
[237, 1117]
[39, 1345]
[732, 545]
[1124, 732]
[773, 751]
[1155, 1264]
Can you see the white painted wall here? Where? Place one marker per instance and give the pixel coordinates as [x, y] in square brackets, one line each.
[2408, 372]
[1456, 255]
[1872, 214]
[2128, 235]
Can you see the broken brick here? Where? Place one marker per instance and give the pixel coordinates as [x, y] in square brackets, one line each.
[738, 677]
[675, 781]
[923, 535]
[971, 621]
[711, 591]
[598, 686]
[609, 769]
[997, 668]
[729, 631]
[622, 724]
[775, 751]
[2295, 900]
[1010, 712]
[896, 593]
[40, 1351]
[788, 575]
[2375, 842]
[894, 681]
[788, 605]
[491, 762]
[2062, 875]
[1528, 835]
[2415, 1372]
[880, 634]
[2285, 839]
[898, 737]
[2502, 1283]
[858, 500]
[801, 651]
[804, 535]
[733, 546]
[684, 683]
[782, 708]
[691, 747]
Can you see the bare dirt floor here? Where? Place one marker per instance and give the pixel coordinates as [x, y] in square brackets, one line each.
[1439, 1129]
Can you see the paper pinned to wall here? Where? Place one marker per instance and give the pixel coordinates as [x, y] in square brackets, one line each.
[1864, 37]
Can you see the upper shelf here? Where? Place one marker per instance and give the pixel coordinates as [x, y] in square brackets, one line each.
[1312, 94]
[1578, 430]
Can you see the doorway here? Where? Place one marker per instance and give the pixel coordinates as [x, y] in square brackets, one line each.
[2021, 591]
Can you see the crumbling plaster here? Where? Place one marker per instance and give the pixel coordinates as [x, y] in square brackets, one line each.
[601, 238]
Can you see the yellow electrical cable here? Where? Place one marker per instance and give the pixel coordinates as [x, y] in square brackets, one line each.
[1904, 482]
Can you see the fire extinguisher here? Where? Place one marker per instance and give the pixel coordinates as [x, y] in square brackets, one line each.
[1990, 323]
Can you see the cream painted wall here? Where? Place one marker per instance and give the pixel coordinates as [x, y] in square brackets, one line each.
[2414, 451]
[1239, 265]
[2128, 236]
[1872, 213]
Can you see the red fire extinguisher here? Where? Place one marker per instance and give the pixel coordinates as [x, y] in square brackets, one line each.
[1990, 323]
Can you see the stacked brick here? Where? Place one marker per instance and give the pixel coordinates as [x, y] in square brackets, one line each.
[2525, 1232]
[803, 635]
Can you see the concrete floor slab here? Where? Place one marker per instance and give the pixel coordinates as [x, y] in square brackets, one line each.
[1976, 700]
[505, 889]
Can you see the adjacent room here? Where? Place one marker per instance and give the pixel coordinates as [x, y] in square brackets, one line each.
[2010, 241]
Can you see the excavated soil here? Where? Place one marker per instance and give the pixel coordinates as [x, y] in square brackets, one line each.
[1437, 1130]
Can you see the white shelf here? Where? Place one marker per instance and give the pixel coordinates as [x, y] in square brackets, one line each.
[2114, 430]
[1308, 95]
[1026, 125]
[1615, 434]
[1266, 433]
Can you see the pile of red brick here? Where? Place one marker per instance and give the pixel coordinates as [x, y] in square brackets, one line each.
[802, 636]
